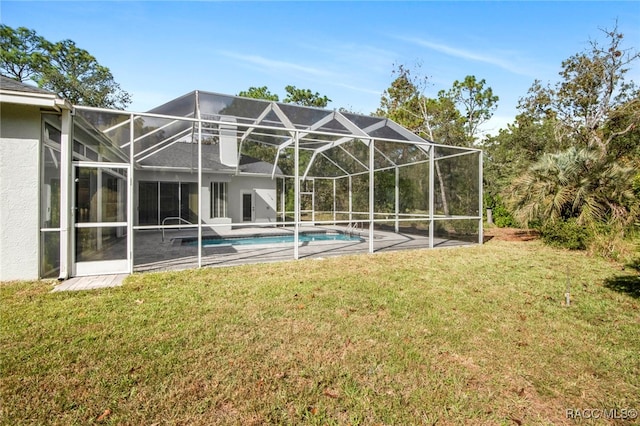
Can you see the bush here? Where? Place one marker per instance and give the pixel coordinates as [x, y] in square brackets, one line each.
[566, 234]
[603, 240]
[502, 217]
[615, 243]
[635, 185]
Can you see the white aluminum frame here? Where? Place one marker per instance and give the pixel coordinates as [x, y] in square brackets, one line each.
[99, 267]
[310, 138]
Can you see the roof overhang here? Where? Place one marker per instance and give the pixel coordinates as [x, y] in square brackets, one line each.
[43, 100]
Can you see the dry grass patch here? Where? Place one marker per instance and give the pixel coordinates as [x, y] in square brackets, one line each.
[417, 337]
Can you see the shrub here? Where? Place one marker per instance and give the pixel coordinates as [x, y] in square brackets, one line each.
[615, 242]
[502, 217]
[465, 227]
[566, 234]
[635, 185]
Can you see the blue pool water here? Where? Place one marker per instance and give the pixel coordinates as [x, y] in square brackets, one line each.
[273, 239]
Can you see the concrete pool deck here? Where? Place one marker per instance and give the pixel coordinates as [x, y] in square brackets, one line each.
[151, 253]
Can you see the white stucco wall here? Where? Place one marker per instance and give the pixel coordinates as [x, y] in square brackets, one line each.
[263, 189]
[19, 200]
[264, 197]
[265, 204]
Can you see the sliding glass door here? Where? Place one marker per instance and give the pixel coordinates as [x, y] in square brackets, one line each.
[158, 201]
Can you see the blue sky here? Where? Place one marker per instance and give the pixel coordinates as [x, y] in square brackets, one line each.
[345, 50]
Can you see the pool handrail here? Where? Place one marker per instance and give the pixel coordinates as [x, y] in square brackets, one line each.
[173, 218]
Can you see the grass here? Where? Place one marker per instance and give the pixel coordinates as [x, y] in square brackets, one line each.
[471, 335]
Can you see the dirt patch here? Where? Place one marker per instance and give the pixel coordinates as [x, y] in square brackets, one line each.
[510, 234]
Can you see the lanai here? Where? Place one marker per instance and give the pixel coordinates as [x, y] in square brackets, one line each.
[331, 170]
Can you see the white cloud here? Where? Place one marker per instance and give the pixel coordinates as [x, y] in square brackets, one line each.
[330, 74]
[506, 64]
[275, 65]
[352, 56]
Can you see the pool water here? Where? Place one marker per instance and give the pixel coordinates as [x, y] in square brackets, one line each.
[273, 239]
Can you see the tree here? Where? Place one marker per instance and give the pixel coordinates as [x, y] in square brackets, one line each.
[76, 76]
[21, 53]
[596, 113]
[514, 149]
[259, 93]
[453, 117]
[305, 97]
[591, 95]
[61, 67]
[576, 183]
[476, 101]
[437, 119]
[401, 101]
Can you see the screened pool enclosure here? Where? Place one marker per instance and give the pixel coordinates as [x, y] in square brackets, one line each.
[178, 186]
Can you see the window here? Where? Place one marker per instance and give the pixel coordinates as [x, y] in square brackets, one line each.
[159, 200]
[148, 205]
[84, 151]
[50, 198]
[51, 135]
[91, 154]
[218, 199]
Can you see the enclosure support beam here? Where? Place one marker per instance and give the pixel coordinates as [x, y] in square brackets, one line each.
[275, 164]
[350, 201]
[313, 202]
[371, 194]
[66, 201]
[480, 201]
[334, 163]
[308, 169]
[130, 189]
[296, 196]
[98, 198]
[334, 202]
[199, 183]
[431, 194]
[397, 199]
[283, 204]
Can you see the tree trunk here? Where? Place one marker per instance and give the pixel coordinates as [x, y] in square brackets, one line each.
[427, 123]
[445, 206]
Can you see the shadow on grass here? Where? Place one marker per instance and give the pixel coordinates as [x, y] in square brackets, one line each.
[629, 284]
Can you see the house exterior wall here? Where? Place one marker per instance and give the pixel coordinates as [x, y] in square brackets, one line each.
[264, 197]
[263, 189]
[20, 133]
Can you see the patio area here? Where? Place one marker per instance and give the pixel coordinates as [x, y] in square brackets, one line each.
[152, 253]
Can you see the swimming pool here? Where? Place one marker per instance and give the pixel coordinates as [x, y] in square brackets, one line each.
[272, 239]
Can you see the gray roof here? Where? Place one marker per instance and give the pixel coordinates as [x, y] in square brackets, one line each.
[185, 155]
[7, 83]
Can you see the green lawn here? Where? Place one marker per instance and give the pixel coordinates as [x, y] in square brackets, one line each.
[469, 335]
